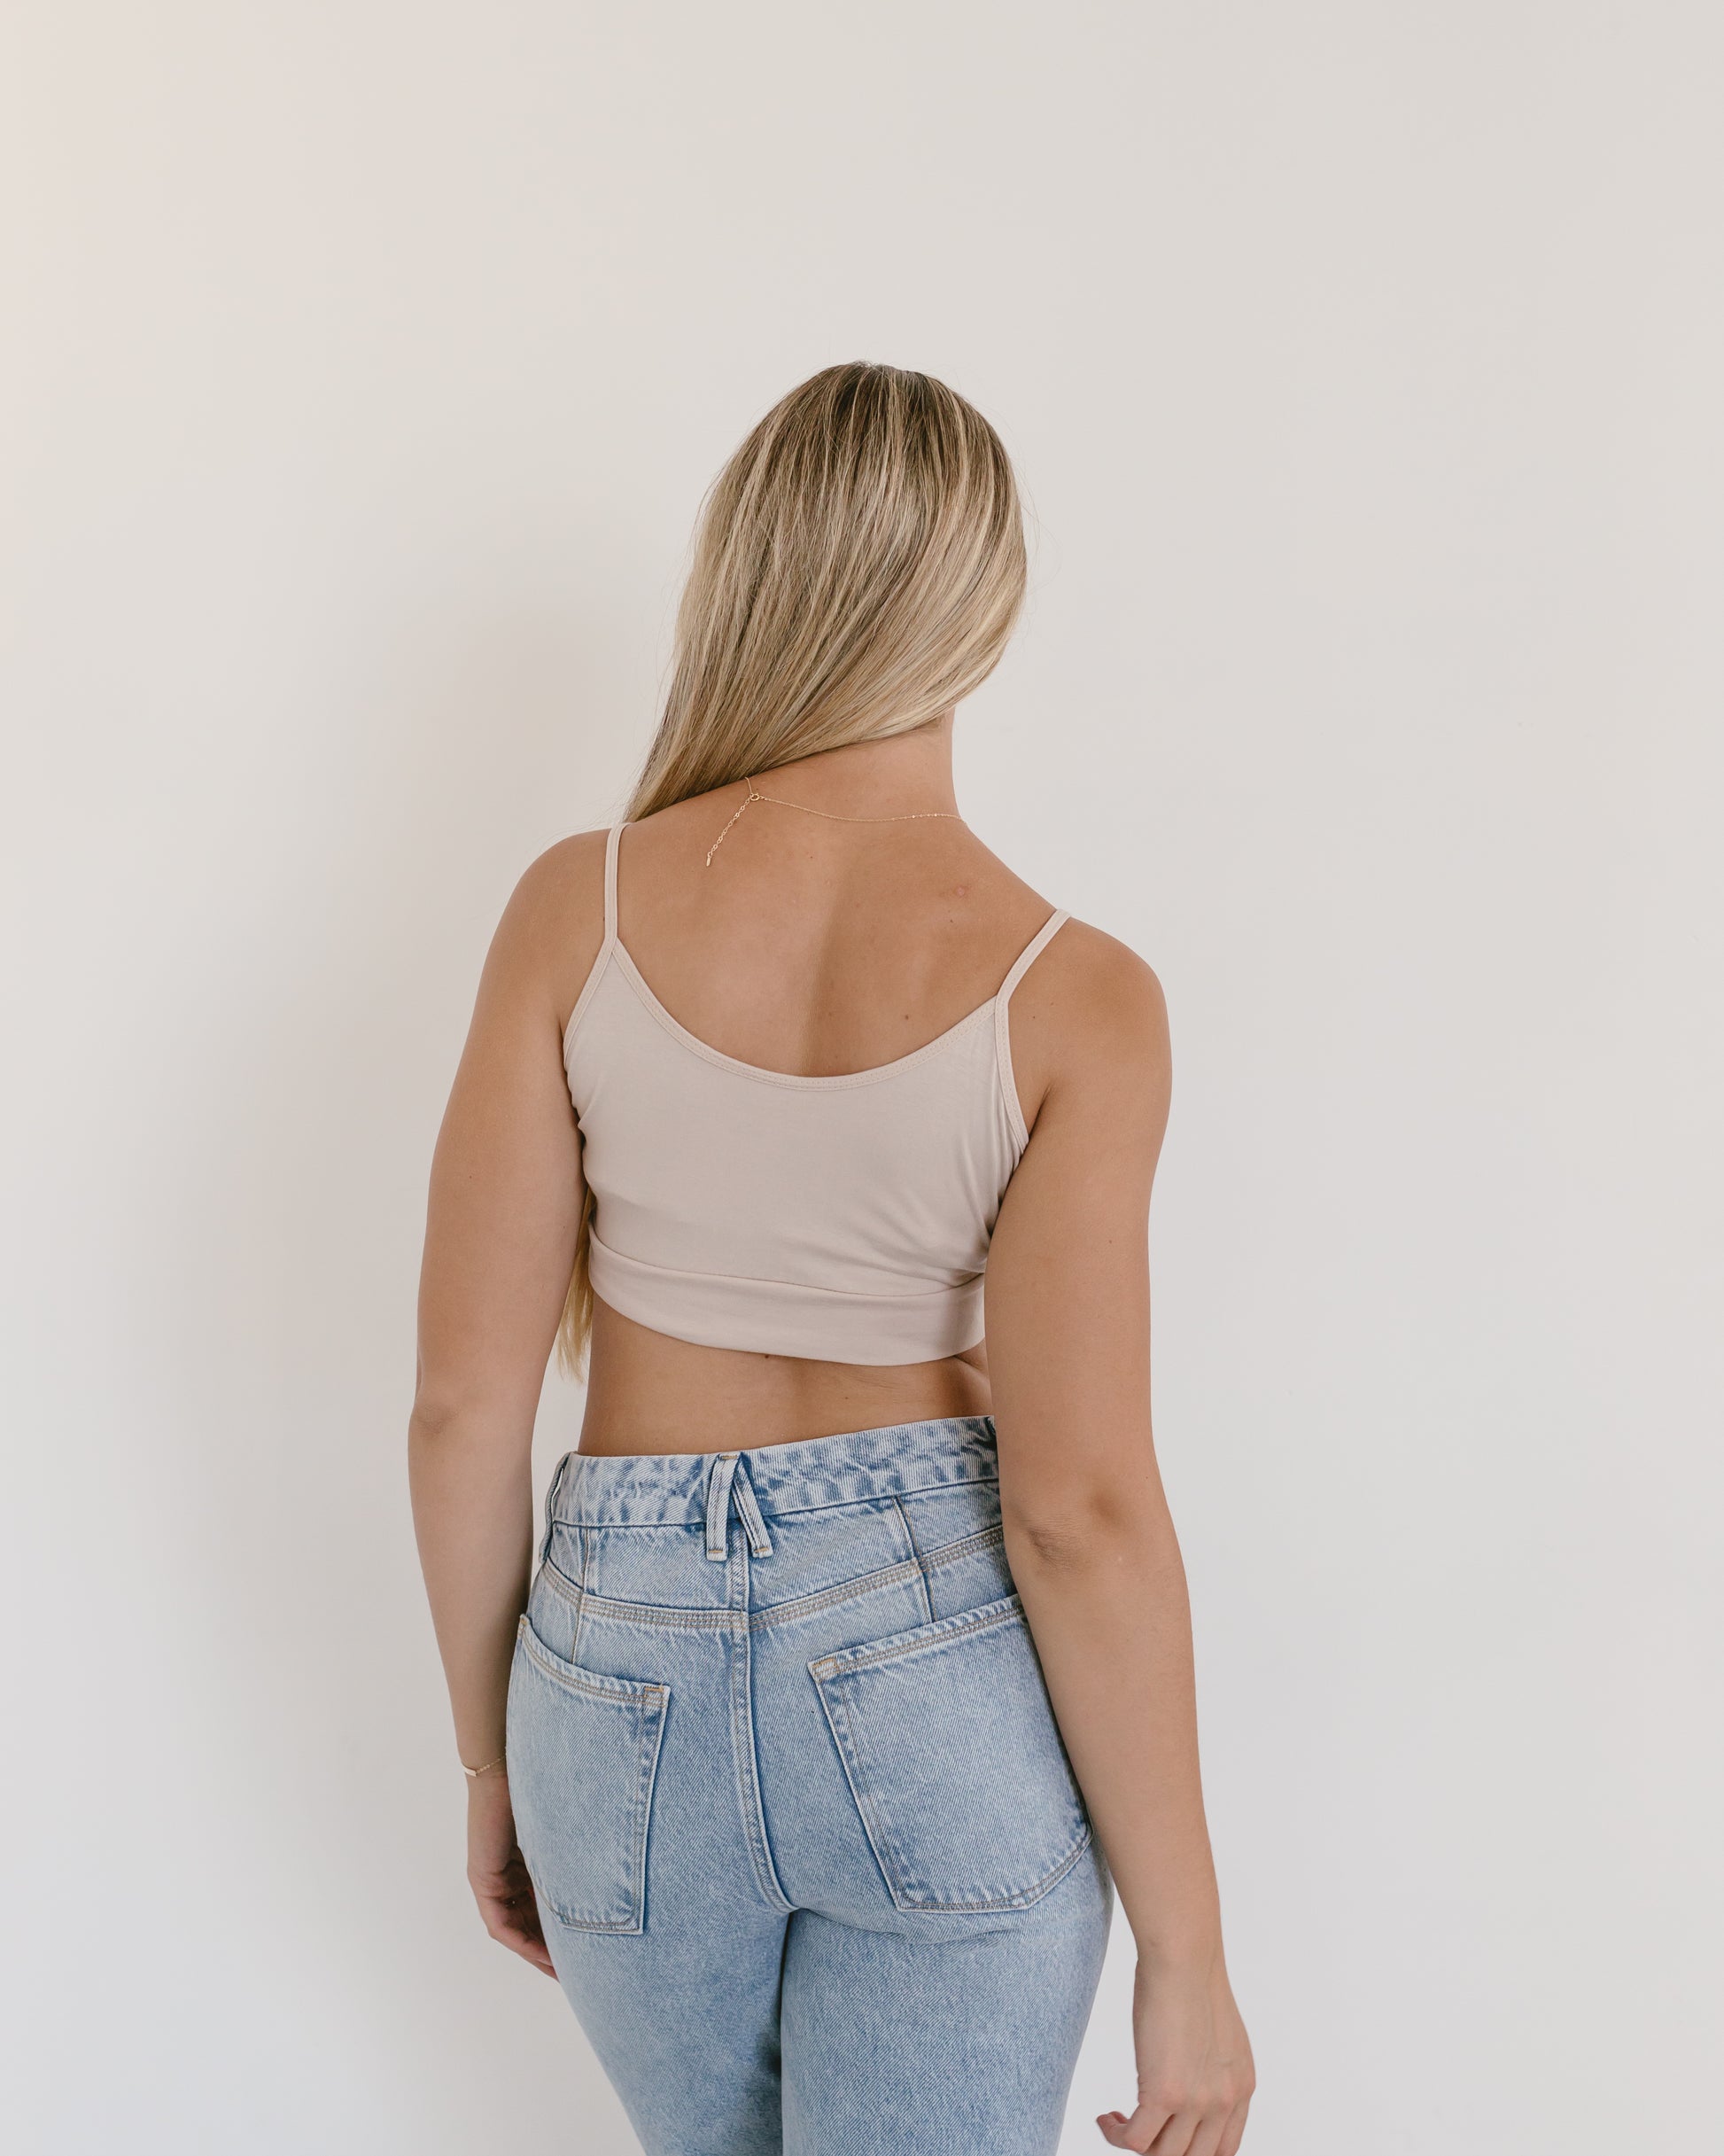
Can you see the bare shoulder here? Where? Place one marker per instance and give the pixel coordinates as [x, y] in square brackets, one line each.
[1089, 1019]
[570, 873]
[553, 925]
[1099, 987]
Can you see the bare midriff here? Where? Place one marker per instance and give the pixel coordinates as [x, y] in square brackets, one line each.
[648, 1392]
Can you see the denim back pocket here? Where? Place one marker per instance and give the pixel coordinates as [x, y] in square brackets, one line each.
[583, 1753]
[955, 1761]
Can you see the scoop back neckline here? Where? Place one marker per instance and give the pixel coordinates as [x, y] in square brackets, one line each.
[763, 1073]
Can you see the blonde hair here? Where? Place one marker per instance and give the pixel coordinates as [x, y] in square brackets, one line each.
[859, 567]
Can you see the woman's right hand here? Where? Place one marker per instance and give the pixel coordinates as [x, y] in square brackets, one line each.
[1195, 2075]
[497, 1872]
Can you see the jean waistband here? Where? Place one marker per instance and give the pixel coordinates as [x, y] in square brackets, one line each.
[651, 1489]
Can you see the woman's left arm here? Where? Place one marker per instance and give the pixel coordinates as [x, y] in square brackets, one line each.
[504, 1205]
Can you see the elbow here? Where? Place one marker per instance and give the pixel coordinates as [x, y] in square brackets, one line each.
[451, 1421]
[430, 1419]
[1083, 1532]
[438, 1415]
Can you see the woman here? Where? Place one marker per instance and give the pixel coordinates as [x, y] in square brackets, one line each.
[854, 1640]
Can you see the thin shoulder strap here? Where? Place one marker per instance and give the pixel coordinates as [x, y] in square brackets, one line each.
[590, 986]
[1008, 1084]
[612, 838]
[1032, 952]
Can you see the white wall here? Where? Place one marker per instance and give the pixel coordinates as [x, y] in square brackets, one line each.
[365, 364]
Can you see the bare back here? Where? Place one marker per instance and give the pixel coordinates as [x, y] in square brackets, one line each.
[812, 947]
[800, 950]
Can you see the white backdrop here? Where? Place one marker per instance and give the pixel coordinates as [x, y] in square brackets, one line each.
[364, 366]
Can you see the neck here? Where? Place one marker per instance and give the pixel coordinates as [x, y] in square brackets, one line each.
[872, 778]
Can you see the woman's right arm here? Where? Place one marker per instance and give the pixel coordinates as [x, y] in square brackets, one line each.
[1088, 1534]
[504, 1208]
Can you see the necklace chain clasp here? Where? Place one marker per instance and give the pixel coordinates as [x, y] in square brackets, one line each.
[914, 815]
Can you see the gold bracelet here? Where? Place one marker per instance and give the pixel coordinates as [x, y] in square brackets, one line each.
[473, 1773]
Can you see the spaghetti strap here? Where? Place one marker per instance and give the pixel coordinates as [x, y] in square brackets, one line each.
[612, 838]
[838, 1217]
[1032, 952]
[589, 987]
[1008, 1080]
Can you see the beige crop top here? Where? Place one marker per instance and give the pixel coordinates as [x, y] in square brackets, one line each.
[845, 1218]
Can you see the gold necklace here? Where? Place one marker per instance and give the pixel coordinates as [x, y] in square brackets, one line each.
[915, 816]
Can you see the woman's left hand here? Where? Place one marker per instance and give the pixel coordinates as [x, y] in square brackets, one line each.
[497, 1872]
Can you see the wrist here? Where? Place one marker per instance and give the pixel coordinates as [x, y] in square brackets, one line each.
[1180, 1954]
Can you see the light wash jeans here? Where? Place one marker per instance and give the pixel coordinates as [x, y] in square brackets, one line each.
[811, 1863]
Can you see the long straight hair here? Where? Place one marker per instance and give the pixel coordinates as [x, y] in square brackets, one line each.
[859, 567]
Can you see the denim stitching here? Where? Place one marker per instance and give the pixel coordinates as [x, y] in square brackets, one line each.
[948, 1553]
[739, 1656]
[865, 1802]
[551, 1508]
[1022, 1899]
[875, 1821]
[619, 1691]
[646, 1709]
[780, 1612]
[580, 1605]
[1007, 1610]
[643, 1804]
[796, 1512]
[901, 1892]
[927, 1598]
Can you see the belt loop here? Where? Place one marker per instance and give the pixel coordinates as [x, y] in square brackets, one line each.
[718, 1504]
[759, 1541]
[550, 1507]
